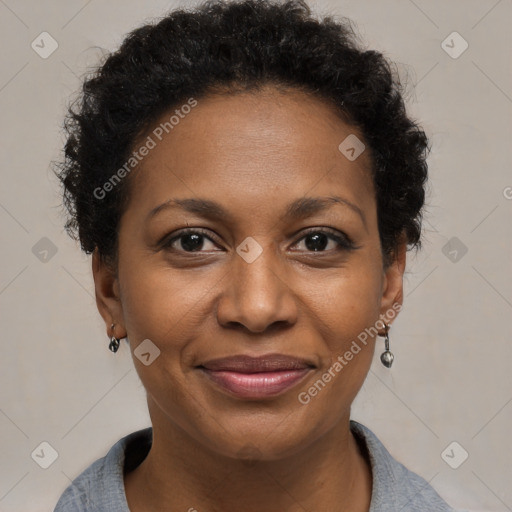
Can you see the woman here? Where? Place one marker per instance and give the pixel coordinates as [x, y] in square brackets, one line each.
[248, 182]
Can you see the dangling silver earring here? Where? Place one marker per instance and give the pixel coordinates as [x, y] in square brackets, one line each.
[114, 342]
[386, 357]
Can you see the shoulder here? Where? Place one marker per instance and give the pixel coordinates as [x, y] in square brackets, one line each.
[101, 486]
[394, 486]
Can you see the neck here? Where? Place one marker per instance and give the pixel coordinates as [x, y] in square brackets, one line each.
[331, 474]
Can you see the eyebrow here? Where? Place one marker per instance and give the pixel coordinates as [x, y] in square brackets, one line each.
[298, 209]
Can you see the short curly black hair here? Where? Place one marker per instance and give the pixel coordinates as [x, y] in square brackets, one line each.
[238, 45]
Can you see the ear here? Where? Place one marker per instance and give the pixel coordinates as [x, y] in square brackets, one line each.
[393, 290]
[108, 299]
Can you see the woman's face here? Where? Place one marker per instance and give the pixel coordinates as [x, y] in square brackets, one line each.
[251, 281]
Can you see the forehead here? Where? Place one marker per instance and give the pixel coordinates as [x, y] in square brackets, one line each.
[249, 146]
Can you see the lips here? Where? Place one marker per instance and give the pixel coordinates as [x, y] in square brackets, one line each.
[256, 377]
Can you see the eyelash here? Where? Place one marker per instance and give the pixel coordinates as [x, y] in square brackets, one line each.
[344, 242]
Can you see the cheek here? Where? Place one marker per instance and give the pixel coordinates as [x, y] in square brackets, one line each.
[349, 308]
[159, 305]
[351, 302]
[159, 302]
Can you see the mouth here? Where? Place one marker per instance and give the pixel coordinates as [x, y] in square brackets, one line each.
[256, 377]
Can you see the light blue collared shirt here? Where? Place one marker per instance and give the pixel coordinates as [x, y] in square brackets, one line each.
[100, 487]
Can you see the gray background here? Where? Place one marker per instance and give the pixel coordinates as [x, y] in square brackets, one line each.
[451, 380]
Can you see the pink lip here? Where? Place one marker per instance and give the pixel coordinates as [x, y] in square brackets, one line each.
[256, 385]
[247, 376]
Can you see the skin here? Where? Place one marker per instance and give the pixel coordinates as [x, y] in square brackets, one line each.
[254, 154]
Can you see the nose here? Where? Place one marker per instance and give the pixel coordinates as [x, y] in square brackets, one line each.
[258, 295]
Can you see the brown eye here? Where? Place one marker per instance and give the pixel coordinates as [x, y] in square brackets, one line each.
[191, 240]
[317, 240]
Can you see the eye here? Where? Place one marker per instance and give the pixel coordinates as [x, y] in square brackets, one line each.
[317, 240]
[191, 240]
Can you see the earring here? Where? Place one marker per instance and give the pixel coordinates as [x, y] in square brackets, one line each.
[114, 342]
[386, 357]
